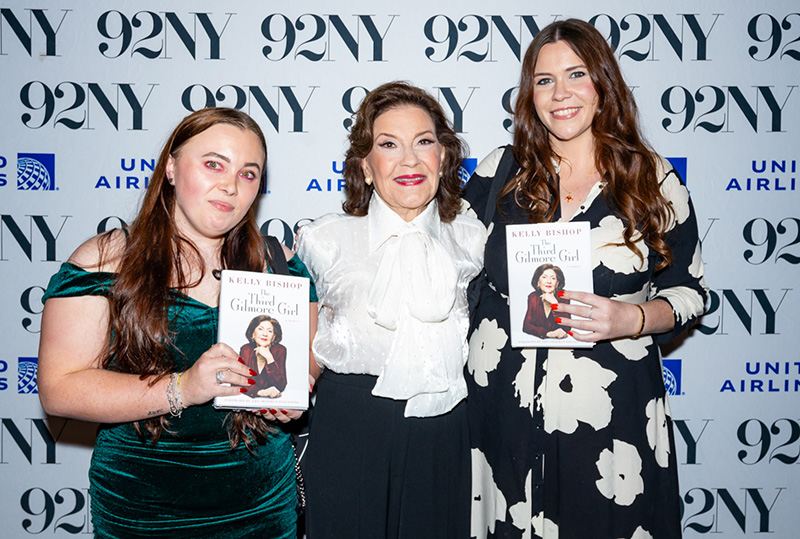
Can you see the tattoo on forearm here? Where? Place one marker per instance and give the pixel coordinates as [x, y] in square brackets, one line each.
[155, 412]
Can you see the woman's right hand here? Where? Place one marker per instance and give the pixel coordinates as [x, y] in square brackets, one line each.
[199, 384]
[266, 353]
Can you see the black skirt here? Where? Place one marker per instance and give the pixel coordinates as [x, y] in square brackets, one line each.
[372, 473]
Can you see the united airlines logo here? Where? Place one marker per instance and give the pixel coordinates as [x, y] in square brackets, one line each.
[26, 375]
[36, 172]
[672, 376]
[466, 169]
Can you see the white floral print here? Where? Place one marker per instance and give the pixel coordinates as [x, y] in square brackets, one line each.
[606, 248]
[488, 504]
[484, 350]
[657, 430]
[521, 512]
[640, 533]
[621, 473]
[523, 383]
[676, 193]
[544, 527]
[574, 390]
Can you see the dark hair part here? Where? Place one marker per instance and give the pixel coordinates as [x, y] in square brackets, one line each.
[391, 96]
[626, 162]
[156, 259]
[257, 321]
[541, 269]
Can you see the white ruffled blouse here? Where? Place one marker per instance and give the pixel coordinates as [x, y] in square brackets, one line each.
[392, 300]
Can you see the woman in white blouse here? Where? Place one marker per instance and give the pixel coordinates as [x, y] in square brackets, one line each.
[388, 452]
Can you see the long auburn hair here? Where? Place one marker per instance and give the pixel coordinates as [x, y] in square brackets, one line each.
[157, 258]
[389, 96]
[626, 162]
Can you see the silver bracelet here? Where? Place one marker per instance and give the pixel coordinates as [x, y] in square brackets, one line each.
[176, 405]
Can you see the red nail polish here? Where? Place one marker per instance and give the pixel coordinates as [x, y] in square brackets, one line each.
[241, 361]
[251, 382]
[570, 334]
[252, 372]
[558, 320]
[242, 390]
[554, 306]
[273, 412]
[263, 411]
[560, 293]
[284, 412]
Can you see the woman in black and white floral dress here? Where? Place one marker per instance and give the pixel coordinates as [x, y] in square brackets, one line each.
[577, 443]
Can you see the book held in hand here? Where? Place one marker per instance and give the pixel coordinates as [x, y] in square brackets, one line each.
[265, 318]
[542, 260]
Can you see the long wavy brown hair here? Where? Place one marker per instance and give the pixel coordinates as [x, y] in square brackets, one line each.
[391, 96]
[626, 162]
[157, 259]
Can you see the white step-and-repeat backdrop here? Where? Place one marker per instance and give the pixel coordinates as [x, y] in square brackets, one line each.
[89, 90]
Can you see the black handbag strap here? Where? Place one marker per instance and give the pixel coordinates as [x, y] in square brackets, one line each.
[277, 258]
[501, 177]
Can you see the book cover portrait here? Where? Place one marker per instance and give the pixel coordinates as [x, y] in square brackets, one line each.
[265, 317]
[544, 259]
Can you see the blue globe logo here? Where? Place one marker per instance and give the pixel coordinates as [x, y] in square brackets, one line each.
[670, 383]
[468, 166]
[463, 175]
[32, 175]
[26, 377]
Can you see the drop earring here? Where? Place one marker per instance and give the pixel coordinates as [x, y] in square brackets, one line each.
[368, 180]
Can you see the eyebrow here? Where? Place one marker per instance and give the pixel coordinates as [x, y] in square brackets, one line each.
[573, 68]
[227, 160]
[426, 132]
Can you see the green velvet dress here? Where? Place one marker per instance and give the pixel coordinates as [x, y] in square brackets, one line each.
[190, 484]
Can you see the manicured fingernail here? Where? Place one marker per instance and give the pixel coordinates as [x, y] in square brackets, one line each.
[272, 411]
[252, 372]
[558, 320]
[263, 411]
[570, 334]
[242, 390]
[560, 293]
[241, 361]
[554, 306]
[284, 412]
[251, 382]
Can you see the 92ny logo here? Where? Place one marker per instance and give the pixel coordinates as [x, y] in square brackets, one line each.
[720, 109]
[776, 38]
[635, 36]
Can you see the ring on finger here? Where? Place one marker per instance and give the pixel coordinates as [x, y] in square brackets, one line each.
[220, 377]
[591, 309]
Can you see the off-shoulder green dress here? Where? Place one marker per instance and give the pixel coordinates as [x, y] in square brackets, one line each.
[190, 484]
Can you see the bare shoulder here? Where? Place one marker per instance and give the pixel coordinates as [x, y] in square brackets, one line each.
[100, 253]
[288, 253]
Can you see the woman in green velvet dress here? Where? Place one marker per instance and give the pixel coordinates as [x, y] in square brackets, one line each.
[129, 340]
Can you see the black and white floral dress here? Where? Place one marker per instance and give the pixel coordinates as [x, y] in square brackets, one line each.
[578, 443]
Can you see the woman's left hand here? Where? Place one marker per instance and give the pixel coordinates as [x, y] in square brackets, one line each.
[605, 318]
[284, 416]
[271, 392]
